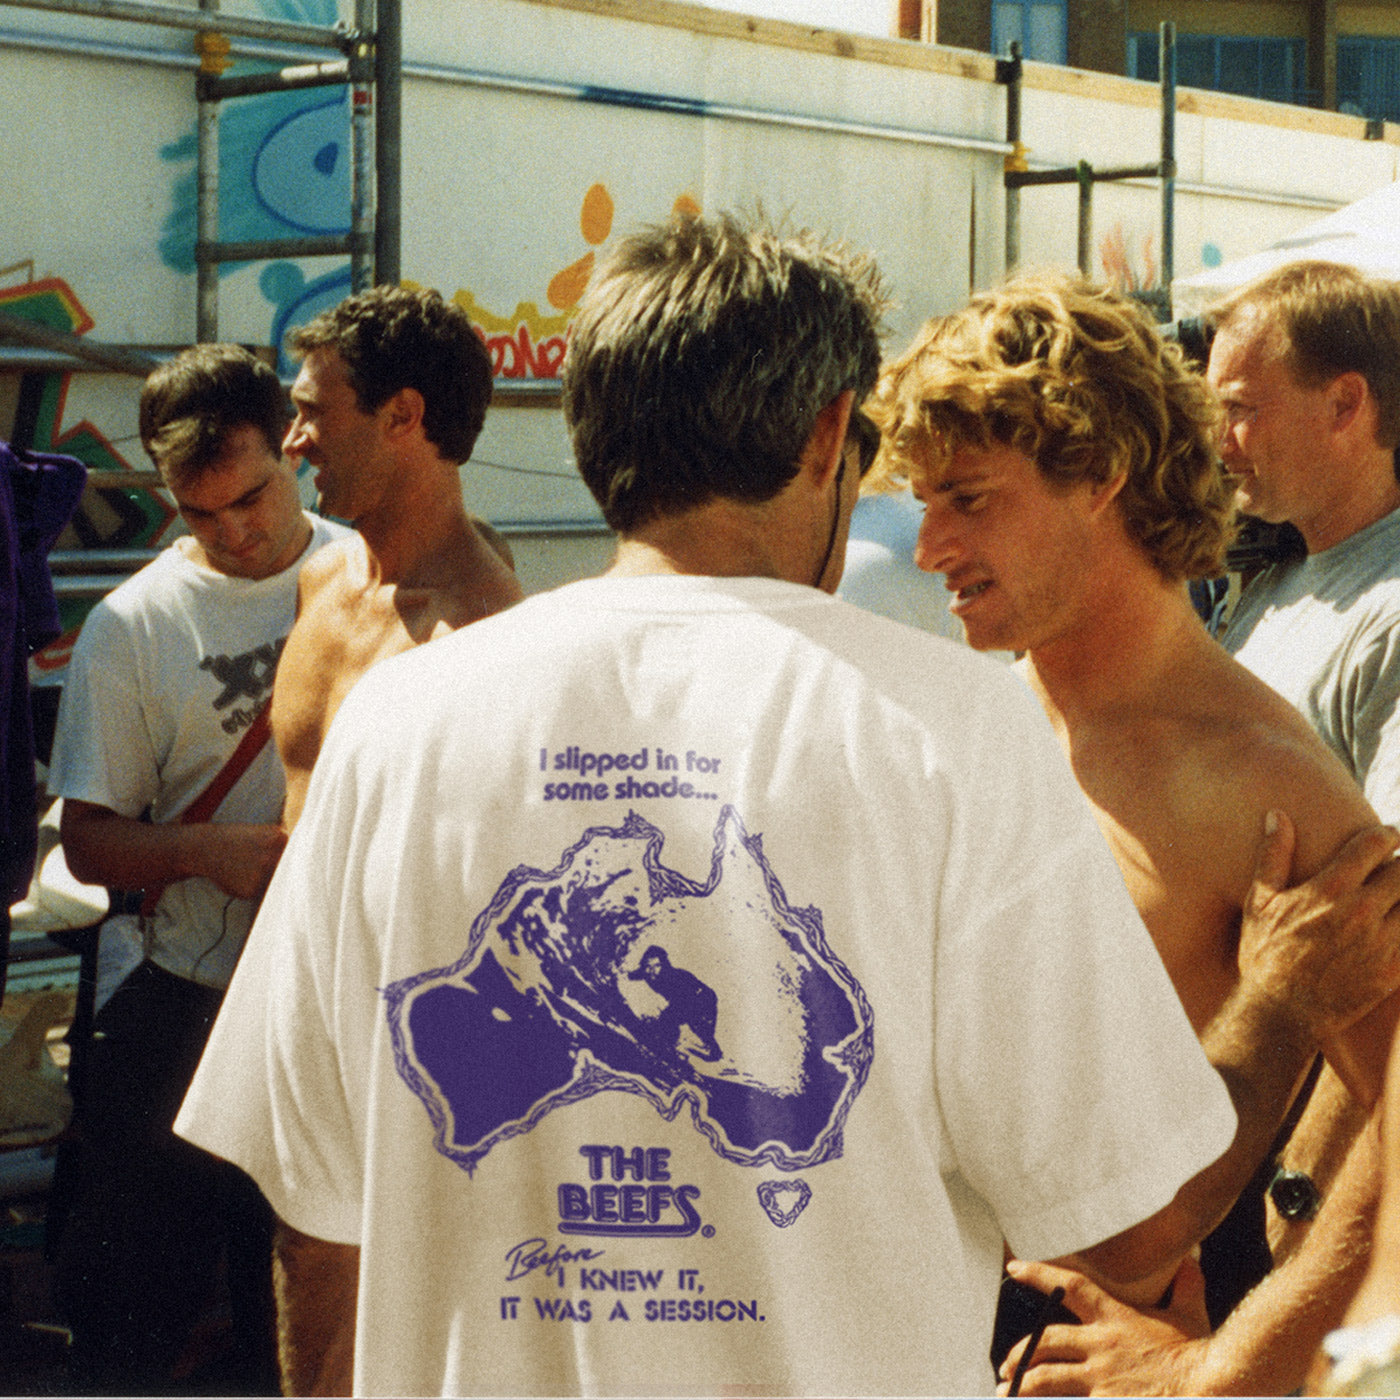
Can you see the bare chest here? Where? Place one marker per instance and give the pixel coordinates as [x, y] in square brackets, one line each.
[1195, 928]
[333, 644]
[1174, 833]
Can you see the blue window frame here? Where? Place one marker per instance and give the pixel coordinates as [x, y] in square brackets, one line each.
[1039, 26]
[1253, 66]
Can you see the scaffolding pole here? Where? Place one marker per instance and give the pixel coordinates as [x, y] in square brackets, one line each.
[1009, 73]
[1166, 49]
[371, 67]
[273, 31]
[388, 137]
[1017, 176]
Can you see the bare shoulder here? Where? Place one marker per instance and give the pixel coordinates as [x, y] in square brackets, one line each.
[316, 638]
[1290, 761]
[484, 580]
[1186, 773]
[1182, 772]
[1238, 749]
[330, 564]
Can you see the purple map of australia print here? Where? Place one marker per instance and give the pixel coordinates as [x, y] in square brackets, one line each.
[613, 972]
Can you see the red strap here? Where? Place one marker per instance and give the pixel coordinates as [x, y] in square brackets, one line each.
[204, 806]
[239, 761]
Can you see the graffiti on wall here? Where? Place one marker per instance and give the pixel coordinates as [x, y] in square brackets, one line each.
[1120, 270]
[284, 171]
[528, 343]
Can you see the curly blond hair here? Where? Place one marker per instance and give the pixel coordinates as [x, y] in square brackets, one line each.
[1079, 379]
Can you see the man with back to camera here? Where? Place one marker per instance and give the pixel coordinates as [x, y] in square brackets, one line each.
[390, 398]
[168, 681]
[707, 757]
[1066, 458]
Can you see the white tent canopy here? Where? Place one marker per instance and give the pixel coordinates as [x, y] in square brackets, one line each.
[1365, 235]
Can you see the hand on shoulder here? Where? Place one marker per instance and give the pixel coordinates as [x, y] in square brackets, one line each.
[1330, 946]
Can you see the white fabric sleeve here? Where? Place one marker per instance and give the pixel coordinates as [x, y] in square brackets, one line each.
[270, 1092]
[1075, 1093]
[103, 751]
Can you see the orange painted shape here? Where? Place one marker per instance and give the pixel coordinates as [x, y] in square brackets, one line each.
[566, 287]
[596, 217]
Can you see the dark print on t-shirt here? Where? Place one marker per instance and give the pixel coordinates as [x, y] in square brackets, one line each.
[615, 972]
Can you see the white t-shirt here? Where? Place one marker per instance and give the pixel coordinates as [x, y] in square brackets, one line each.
[1325, 633]
[168, 672]
[682, 985]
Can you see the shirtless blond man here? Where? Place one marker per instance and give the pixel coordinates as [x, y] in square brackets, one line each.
[389, 401]
[1066, 458]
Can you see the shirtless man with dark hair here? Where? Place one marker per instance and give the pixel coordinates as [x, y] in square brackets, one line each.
[391, 395]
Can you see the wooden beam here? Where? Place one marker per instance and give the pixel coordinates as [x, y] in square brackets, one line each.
[914, 20]
[1322, 52]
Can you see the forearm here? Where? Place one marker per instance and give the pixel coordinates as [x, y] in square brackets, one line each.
[1359, 1054]
[1379, 1295]
[1126, 1267]
[316, 1282]
[1266, 1346]
[1261, 1051]
[105, 848]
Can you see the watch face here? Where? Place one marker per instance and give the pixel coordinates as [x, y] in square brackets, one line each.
[1294, 1195]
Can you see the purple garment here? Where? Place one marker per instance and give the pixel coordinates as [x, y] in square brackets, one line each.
[38, 494]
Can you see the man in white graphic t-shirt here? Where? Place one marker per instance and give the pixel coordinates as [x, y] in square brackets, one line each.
[172, 791]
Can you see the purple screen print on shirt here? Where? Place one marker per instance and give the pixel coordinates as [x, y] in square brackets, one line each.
[614, 972]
